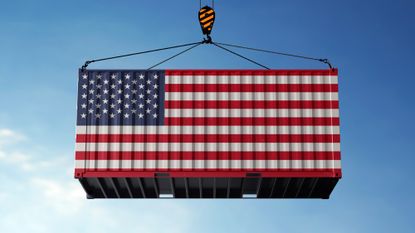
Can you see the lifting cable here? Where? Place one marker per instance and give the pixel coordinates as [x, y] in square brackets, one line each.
[200, 4]
[239, 55]
[194, 46]
[326, 61]
[136, 53]
[208, 41]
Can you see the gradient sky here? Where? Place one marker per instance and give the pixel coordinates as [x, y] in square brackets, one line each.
[43, 43]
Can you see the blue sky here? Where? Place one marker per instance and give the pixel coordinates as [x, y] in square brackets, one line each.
[43, 43]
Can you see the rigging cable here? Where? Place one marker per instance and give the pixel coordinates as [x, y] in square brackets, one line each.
[137, 53]
[194, 46]
[200, 4]
[326, 61]
[239, 55]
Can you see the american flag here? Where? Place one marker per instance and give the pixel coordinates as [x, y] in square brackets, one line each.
[279, 122]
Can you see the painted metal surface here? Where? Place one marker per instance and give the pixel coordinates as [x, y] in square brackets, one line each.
[182, 130]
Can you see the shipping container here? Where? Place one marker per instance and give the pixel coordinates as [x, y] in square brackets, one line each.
[208, 133]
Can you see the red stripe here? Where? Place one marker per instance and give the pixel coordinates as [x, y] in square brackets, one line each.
[195, 138]
[317, 173]
[333, 72]
[211, 104]
[258, 121]
[94, 155]
[251, 88]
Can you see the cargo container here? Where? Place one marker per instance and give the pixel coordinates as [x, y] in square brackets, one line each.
[208, 133]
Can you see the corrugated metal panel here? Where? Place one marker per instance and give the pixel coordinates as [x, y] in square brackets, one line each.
[214, 133]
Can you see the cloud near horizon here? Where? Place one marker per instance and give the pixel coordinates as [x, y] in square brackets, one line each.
[39, 194]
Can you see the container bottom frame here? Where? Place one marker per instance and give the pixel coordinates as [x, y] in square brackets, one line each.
[208, 187]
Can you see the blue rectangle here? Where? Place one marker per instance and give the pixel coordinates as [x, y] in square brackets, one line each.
[121, 97]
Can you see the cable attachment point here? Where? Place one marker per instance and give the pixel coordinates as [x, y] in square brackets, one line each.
[207, 40]
[327, 62]
[85, 65]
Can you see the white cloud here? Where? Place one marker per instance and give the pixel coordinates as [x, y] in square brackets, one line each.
[64, 197]
[41, 195]
[18, 153]
[25, 161]
[8, 136]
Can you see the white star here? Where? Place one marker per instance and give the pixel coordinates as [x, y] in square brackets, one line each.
[106, 81]
[105, 101]
[120, 81]
[155, 96]
[106, 91]
[83, 105]
[149, 81]
[133, 111]
[98, 96]
[119, 110]
[134, 81]
[134, 91]
[113, 76]
[141, 86]
[84, 76]
[140, 115]
[84, 96]
[155, 76]
[99, 76]
[91, 101]
[105, 111]
[133, 101]
[148, 101]
[112, 96]
[155, 86]
[155, 105]
[126, 115]
[141, 105]
[91, 91]
[155, 115]
[91, 110]
[84, 86]
[112, 105]
[113, 86]
[119, 91]
[126, 106]
[83, 115]
[119, 101]
[127, 96]
[99, 86]
[127, 76]
[112, 115]
[141, 76]
[91, 82]
[148, 91]
[141, 96]
[98, 105]
[98, 115]
[148, 111]
[127, 86]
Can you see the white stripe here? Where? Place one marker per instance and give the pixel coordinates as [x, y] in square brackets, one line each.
[209, 147]
[258, 96]
[248, 79]
[208, 129]
[252, 113]
[212, 164]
